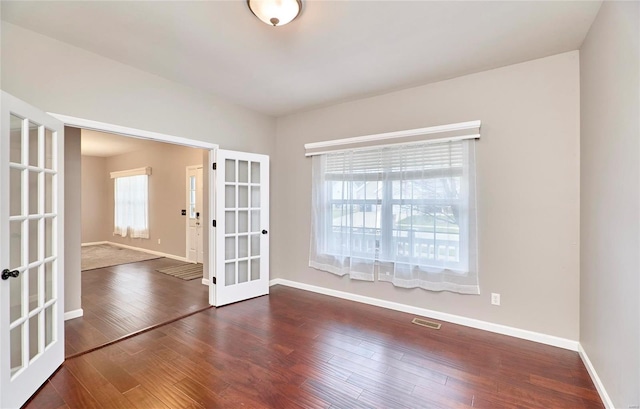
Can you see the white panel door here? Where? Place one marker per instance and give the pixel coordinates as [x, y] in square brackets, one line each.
[195, 250]
[31, 255]
[242, 226]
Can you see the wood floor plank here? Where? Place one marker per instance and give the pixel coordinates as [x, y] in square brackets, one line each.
[122, 299]
[165, 391]
[93, 380]
[72, 391]
[295, 349]
[141, 398]
[113, 373]
[340, 397]
[200, 394]
[46, 398]
[563, 387]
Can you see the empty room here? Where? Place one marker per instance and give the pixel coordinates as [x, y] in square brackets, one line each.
[141, 268]
[379, 204]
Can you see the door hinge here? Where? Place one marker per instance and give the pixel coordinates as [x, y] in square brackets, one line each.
[215, 165]
[213, 280]
[214, 223]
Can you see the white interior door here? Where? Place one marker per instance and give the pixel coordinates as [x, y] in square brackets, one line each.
[31, 255]
[195, 250]
[242, 225]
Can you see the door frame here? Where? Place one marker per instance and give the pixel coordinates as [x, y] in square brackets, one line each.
[188, 168]
[160, 137]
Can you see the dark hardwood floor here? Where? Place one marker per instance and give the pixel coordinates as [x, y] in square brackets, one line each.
[299, 349]
[120, 300]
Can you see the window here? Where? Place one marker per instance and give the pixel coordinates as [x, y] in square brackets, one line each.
[192, 197]
[403, 212]
[131, 207]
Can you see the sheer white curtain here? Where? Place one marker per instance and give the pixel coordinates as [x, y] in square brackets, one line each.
[132, 206]
[403, 213]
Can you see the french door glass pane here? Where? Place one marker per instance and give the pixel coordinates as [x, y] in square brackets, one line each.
[48, 193]
[15, 347]
[230, 273]
[48, 236]
[243, 271]
[255, 245]
[33, 288]
[255, 172]
[48, 326]
[255, 269]
[243, 246]
[33, 192]
[255, 196]
[243, 221]
[230, 196]
[243, 171]
[15, 244]
[255, 220]
[243, 196]
[229, 222]
[230, 248]
[15, 144]
[33, 241]
[33, 336]
[48, 281]
[15, 192]
[230, 170]
[48, 148]
[15, 298]
[33, 144]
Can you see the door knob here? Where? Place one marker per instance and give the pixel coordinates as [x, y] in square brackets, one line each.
[6, 273]
[264, 232]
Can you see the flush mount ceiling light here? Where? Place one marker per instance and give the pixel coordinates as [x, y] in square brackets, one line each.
[275, 12]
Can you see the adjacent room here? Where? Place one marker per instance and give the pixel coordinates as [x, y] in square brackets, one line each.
[376, 204]
[146, 268]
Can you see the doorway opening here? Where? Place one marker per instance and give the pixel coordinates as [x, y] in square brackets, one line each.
[138, 281]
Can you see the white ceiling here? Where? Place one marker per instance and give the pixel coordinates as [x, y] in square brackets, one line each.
[94, 143]
[335, 50]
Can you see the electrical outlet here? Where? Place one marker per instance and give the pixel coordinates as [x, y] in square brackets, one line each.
[495, 299]
[158, 241]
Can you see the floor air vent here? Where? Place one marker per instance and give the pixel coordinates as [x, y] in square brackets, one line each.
[425, 323]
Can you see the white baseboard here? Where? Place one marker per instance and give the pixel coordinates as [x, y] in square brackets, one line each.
[155, 253]
[93, 243]
[455, 319]
[69, 315]
[205, 281]
[608, 403]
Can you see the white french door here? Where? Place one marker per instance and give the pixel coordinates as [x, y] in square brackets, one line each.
[31, 255]
[242, 226]
[195, 250]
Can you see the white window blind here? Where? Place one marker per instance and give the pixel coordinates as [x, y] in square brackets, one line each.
[403, 213]
[131, 207]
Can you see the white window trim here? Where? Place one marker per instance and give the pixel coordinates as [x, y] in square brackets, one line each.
[131, 172]
[433, 134]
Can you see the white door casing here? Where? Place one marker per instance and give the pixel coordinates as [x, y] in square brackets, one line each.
[31, 232]
[242, 225]
[194, 187]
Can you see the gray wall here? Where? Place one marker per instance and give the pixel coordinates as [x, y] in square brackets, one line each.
[78, 83]
[59, 78]
[72, 209]
[610, 189]
[528, 189]
[94, 189]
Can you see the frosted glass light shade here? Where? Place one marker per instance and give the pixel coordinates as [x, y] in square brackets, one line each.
[275, 12]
